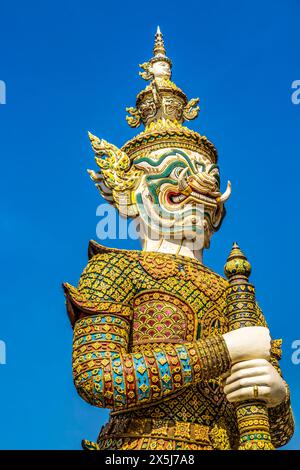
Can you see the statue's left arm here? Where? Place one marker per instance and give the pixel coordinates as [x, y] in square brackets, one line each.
[271, 387]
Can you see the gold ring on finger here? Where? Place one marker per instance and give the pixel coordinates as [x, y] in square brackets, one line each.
[255, 391]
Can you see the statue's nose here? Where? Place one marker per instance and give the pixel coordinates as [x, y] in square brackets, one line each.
[202, 183]
[188, 181]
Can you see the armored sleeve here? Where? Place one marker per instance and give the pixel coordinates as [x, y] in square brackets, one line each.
[106, 373]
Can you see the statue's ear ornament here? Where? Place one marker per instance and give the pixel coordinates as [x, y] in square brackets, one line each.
[117, 177]
[134, 120]
[191, 110]
[147, 73]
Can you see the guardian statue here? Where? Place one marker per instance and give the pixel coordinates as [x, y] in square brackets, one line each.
[180, 355]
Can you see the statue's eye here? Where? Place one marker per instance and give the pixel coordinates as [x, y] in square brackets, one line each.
[200, 167]
[176, 172]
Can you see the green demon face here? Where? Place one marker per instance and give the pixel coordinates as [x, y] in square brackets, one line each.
[175, 193]
[179, 195]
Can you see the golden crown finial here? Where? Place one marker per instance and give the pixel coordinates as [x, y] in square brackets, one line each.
[161, 102]
[159, 45]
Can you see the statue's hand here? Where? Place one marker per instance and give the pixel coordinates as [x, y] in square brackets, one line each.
[252, 342]
[244, 376]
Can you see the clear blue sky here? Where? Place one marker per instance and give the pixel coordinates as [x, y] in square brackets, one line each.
[72, 66]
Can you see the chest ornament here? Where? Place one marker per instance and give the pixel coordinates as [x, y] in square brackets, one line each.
[159, 316]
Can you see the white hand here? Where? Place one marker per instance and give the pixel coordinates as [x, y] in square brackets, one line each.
[252, 342]
[245, 375]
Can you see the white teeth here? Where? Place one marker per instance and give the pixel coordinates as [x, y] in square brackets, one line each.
[179, 198]
[199, 197]
[202, 197]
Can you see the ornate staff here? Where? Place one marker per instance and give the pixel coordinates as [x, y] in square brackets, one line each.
[252, 416]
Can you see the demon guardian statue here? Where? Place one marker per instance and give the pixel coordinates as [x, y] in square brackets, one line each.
[181, 356]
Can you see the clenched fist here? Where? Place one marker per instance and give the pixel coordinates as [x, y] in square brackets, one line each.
[244, 376]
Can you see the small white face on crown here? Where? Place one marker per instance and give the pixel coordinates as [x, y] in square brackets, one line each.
[161, 69]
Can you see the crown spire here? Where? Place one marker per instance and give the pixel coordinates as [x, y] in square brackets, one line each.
[159, 45]
[161, 101]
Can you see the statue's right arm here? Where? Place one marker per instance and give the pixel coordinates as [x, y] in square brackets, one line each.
[106, 375]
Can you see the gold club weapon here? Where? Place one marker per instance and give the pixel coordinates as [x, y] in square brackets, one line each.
[252, 415]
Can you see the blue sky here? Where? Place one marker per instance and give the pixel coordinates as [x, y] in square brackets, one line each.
[72, 66]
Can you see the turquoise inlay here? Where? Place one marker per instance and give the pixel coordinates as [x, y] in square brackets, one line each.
[101, 337]
[93, 355]
[96, 319]
[185, 363]
[118, 379]
[141, 372]
[164, 371]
